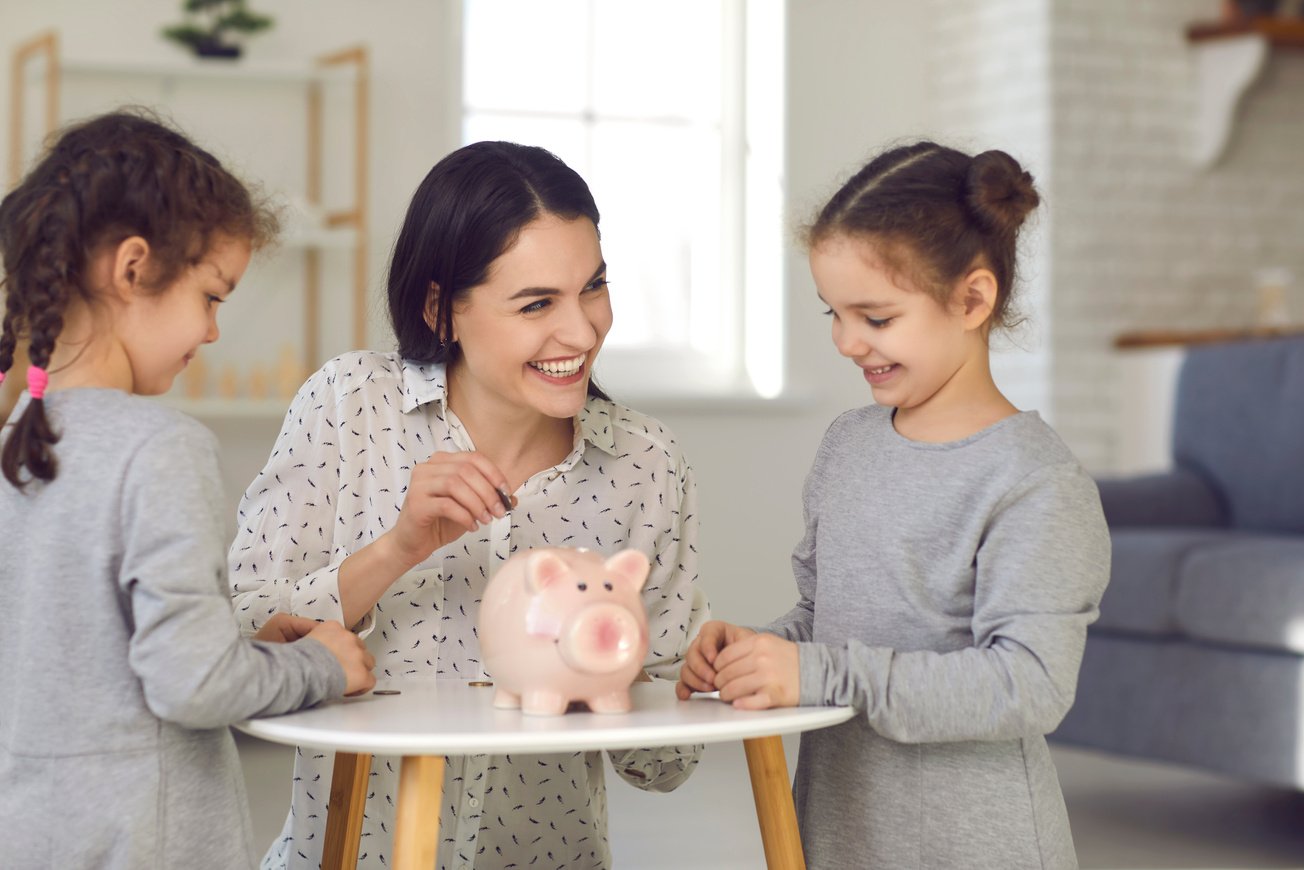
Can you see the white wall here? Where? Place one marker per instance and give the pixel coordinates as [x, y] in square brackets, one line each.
[856, 79]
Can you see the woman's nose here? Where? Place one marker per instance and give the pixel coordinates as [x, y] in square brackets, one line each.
[576, 328]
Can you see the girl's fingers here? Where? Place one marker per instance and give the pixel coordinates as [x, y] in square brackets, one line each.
[734, 652]
[759, 701]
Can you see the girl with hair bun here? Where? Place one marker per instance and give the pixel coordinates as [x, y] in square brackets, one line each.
[954, 549]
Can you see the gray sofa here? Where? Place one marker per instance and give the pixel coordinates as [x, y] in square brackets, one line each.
[1198, 656]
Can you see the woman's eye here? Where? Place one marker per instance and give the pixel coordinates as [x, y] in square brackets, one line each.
[598, 284]
[214, 300]
[879, 323]
[535, 307]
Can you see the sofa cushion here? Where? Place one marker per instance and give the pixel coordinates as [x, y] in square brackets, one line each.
[1239, 422]
[1143, 577]
[1248, 590]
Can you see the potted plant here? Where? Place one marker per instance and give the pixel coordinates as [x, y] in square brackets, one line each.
[211, 24]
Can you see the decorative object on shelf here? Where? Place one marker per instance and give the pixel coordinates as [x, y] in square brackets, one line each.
[228, 385]
[259, 386]
[290, 372]
[1229, 55]
[196, 378]
[1272, 288]
[212, 27]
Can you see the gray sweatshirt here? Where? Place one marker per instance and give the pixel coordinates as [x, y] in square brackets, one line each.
[945, 592]
[122, 665]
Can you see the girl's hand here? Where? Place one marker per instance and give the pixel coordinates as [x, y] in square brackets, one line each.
[349, 650]
[698, 673]
[285, 628]
[759, 672]
[448, 495]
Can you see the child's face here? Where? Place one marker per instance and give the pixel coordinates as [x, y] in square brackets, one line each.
[907, 345]
[530, 334]
[161, 332]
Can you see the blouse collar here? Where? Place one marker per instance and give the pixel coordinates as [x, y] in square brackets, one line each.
[426, 382]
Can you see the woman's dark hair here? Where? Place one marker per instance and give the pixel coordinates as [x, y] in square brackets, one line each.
[935, 213]
[466, 213]
[102, 181]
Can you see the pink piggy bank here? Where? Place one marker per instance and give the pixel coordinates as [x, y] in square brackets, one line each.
[559, 625]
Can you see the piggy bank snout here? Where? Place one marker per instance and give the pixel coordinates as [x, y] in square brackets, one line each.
[601, 639]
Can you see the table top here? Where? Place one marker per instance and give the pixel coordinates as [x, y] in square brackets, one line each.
[454, 717]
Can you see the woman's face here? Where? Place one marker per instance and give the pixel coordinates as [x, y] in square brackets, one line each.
[529, 335]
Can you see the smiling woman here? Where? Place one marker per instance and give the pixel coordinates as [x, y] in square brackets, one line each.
[401, 481]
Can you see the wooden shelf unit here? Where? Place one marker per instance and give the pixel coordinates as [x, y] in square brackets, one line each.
[342, 228]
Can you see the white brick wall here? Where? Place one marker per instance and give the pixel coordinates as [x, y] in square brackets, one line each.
[1135, 236]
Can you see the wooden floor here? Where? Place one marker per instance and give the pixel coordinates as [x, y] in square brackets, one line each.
[1126, 815]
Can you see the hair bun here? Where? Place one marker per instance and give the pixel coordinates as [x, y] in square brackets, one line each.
[999, 192]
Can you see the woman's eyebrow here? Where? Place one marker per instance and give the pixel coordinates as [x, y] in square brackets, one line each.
[553, 291]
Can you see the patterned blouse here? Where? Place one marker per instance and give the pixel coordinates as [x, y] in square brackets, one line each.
[335, 481]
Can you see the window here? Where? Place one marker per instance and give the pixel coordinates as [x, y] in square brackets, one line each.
[673, 113]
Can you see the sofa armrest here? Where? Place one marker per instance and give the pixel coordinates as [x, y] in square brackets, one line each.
[1175, 498]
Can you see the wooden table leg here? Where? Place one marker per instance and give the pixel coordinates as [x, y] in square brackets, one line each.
[344, 812]
[416, 823]
[774, 808]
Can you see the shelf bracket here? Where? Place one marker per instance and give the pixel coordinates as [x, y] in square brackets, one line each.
[1224, 70]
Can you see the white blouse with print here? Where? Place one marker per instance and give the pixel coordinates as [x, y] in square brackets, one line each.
[336, 480]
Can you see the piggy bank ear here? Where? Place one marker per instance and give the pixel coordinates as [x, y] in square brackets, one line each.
[629, 565]
[543, 570]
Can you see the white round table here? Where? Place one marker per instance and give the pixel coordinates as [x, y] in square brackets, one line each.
[429, 719]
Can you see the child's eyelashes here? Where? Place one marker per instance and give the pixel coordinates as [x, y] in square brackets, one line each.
[214, 299]
[876, 322]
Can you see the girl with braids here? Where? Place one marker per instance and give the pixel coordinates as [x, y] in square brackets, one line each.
[123, 665]
[954, 550]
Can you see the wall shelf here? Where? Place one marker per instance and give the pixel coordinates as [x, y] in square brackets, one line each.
[1229, 56]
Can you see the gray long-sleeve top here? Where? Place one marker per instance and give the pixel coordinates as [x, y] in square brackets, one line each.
[123, 664]
[945, 592]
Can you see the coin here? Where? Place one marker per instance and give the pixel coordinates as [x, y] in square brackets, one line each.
[480, 683]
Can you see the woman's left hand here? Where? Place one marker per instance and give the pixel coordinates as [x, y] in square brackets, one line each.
[759, 672]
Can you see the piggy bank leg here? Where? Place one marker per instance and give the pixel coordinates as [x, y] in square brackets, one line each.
[544, 703]
[613, 702]
[505, 700]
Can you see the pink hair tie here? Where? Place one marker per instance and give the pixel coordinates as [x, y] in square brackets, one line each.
[37, 380]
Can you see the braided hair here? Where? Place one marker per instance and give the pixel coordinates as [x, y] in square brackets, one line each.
[102, 181]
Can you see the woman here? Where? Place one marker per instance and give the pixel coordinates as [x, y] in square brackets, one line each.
[385, 501]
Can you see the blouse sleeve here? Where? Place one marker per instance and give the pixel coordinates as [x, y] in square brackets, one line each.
[284, 556]
[677, 607]
[1040, 574]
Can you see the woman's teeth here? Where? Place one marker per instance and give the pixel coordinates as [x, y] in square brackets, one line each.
[561, 368]
[881, 370]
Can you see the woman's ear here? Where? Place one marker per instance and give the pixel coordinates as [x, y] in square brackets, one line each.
[130, 259]
[976, 297]
[431, 315]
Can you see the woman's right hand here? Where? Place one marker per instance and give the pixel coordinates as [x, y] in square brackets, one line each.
[448, 495]
[350, 652]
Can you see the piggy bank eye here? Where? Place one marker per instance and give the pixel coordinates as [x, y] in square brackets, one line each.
[607, 585]
[582, 586]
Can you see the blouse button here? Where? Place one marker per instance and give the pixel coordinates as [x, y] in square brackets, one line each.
[475, 802]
